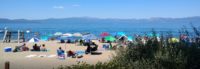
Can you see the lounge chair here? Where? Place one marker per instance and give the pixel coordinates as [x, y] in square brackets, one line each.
[61, 54]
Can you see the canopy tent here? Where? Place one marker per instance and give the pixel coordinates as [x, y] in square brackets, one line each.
[110, 38]
[121, 34]
[58, 33]
[104, 34]
[89, 36]
[34, 40]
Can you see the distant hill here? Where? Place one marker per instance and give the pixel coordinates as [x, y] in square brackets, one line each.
[94, 20]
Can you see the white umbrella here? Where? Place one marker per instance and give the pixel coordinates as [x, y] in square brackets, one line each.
[58, 33]
[89, 36]
[77, 34]
[34, 40]
[67, 35]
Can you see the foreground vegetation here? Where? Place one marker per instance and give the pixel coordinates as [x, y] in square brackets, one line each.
[154, 54]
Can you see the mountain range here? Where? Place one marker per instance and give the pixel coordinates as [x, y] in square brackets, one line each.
[99, 20]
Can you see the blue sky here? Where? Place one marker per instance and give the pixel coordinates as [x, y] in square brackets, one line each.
[42, 9]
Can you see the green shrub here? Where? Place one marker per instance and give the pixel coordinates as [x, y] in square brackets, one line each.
[153, 55]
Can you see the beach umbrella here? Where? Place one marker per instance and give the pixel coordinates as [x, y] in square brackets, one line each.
[112, 34]
[110, 38]
[130, 38]
[66, 38]
[50, 35]
[28, 31]
[73, 38]
[77, 35]
[34, 40]
[89, 36]
[85, 33]
[173, 40]
[151, 35]
[121, 34]
[104, 34]
[67, 35]
[44, 38]
[58, 34]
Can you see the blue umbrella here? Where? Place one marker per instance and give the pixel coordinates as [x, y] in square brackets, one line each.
[121, 34]
[73, 38]
[130, 38]
[44, 38]
[113, 34]
[151, 35]
[50, 35]
[89, 36]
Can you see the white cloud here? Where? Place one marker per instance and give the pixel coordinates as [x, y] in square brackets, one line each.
[58, 7]
[75, 5]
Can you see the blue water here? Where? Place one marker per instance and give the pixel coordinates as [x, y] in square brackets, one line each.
[96, 28]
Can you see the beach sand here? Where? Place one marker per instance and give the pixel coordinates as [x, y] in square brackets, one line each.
[32, 60]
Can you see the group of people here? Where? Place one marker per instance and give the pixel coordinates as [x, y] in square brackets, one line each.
[25, 48]
[21, 48]
[70, 53]
[68, 41]
[91, 49]
[39, 48]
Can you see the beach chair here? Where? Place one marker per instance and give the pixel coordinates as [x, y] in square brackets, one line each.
[106, 46]
[61, 54]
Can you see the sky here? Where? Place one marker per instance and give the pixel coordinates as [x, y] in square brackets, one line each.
[123, 9]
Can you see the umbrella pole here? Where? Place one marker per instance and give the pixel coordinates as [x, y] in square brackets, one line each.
[65, 47]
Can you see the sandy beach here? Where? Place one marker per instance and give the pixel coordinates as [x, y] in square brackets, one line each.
[33, 60]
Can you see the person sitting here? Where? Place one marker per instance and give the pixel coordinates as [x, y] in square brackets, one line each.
[69, 41]
[17, 49]
[24, 47]
[103, 40]
[43, 48]
[62, 41]
[21, 48]
[92, 50]
[95, 47]
[61, 53]
[81, 42]
[36, 48]
[88, 50]
[87, 41]
[71, 53]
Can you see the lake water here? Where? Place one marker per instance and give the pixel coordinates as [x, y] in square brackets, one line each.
[96, 28]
